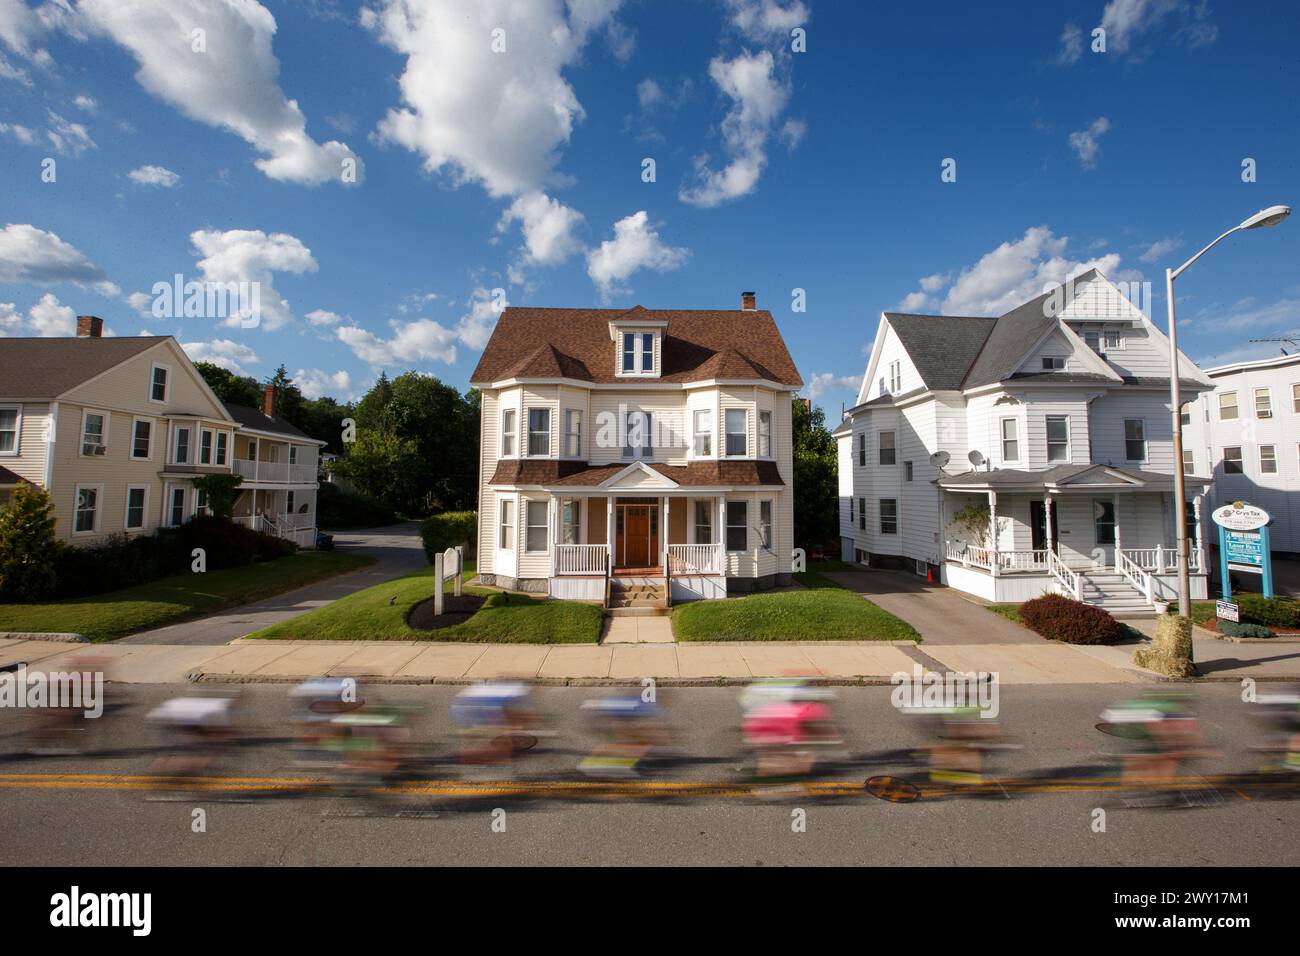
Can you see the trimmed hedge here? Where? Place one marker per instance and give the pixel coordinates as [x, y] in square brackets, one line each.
[1059, 618]
[447, 530]
[1232, 629]
[336, 508]
[1271, 612]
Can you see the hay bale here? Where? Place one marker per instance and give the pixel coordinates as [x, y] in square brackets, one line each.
[1171, 651]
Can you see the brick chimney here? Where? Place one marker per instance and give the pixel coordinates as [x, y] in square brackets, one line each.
[268, 401]
[748, 302]
[90, 327]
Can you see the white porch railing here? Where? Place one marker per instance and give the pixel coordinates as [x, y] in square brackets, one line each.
[695, 558]
[970, 555]
[580, 558]
[1031, 561]
[277, 471]
[1134, 574]
[1163, 559]
[1068, 579]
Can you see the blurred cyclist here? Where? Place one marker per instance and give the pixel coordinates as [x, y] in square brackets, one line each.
[1165, 731]
[202, 728]
[1280, 712]
[631, 731]
[788, 727]
[496, 722]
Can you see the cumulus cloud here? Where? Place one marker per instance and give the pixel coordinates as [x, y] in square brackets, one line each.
[250, 255]
[763, 19]
[758, 96]
[1084, 141]
[323, 317]
[1159, 249]
[68, 138]
[315, 383]
[1010, 275]
[11, 320]
[476, 325]
[85, 103]
[48, 317]
[28, 254]
[823, 382]
[548, 227]
[636, 245]
[24, 134]
[1126, 22]
[154, 176]
[230, 355]
[418, 341]
[233, 84]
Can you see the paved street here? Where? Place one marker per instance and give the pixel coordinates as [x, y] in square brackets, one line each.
[112, 818]
[397, 549]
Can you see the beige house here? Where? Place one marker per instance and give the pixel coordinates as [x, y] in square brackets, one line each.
[636, 451]
[115, 429]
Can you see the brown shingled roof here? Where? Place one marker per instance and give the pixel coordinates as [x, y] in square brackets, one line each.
[578, 473]
[44, 368]
[698, 344]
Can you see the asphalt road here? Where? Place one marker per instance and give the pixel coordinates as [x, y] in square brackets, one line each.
[102, 812]
[397, 550]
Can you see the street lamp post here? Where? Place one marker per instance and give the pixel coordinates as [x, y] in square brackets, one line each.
[1265, 217]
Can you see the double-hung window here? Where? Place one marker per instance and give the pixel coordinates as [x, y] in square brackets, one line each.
[862, 514]
[702, 426]
[9, 431]
[765, 523]
[737, 525]
[141, 434]
[1295, 398]
[1010, 440]
[737, 422]
[177, 508]
[1227, 406]
[539, 432]
[638, 353]
[94, 433]
[1232, 460]
[1263, 403]
[221, 448]
[888, 453]
[764, 434]
[1135, 439]
[86, 519]
[205, 447]
[182, 456]
[1267, 459]
[158, 384]
[703, 523]
[509, 432]
[135, 506]
[572, 433]
[889, 516]
[862, 449]
[895, 377]
[535, 524]
[1058, 438]
[637, 442]
[506, 521]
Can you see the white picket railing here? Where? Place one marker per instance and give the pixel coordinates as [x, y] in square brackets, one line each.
[580, 558]
[1137, 577]
[970, 555]
[1067, 578]
[695, 558]
[1163, 559]
[276, 471]
[1023, 560]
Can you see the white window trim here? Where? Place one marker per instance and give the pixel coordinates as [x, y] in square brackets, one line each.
[1002, 439]
[167, 386]
[170, 492]
[144, 510]
[708, 432]
[572, 415]
[99, 509]
[546, 525]
[643, 452]
[513, 525]
[1121, 339]
[525, 447]
[880, 516]
[514, 433]
[771, 524]
[1146, 445]
[1254, 394]
[1240, 459]
[758, 433]
[895, 376]
[1236, 407]
[880, 447]
[638, 355]
[1045, 359]
[212, 447]
[217, 449]
[191, 446]
[1261, 460]
[153, 432]
[1047, 440]
[18, 430]
[725, 432]
[727, 526]
[81, 441]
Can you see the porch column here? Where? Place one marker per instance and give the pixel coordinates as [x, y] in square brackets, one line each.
[721, 533]
[1200, 539]
[1114, 505]
[1047, 521]
[553, 532]
[663, 536]
[609, 529]
[993, 531]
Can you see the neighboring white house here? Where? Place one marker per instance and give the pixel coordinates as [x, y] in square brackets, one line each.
[1246, 434]
[636, 453]
[116, 428]
[1051, 422]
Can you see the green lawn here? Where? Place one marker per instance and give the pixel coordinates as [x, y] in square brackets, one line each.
[825, 612]
[379, 613]
[104, 617]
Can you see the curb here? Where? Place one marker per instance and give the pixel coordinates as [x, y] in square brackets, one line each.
[66, 637]
[544, 681]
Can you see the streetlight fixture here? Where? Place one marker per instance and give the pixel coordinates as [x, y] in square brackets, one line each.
[1265, 217]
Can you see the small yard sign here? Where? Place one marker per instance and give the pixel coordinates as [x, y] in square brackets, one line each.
[1227, 611]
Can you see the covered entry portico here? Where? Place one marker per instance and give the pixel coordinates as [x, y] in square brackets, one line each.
[1093, 532]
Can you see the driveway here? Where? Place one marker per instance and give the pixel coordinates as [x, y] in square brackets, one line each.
[397, 548]
[937, 612]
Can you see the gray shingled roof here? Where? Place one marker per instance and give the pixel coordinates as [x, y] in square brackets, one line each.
[1016, 477]
[253, 418]
[942, 347]
[43, 369]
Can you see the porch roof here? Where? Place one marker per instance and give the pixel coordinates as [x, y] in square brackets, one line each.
[8, 477]
[579, 474]
[1065, 479]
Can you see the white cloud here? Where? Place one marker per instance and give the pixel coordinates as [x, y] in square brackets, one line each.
[635, 246]
[1071, 45]
[28, 254]
[314, 383]
[154, 176]
[1084, 141]
[823, 382]
[232, 85]
[49, 318]
[85, 103]
[250, 255]
[548, 226]
[230, 355]
[20, 25]
[23, 134]
[142, 302]
[758, 97]
[1274, 318]
[68, 138]
[1127, 21]
[1159, 249]
[497, 119]
[1240, 353]
[416, 341]
[11, 320]
[475, 326]
[764, 19]
[323, 317]
[1010, 275]
[649, 93]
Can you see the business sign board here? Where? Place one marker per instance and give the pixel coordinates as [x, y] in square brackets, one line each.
[1227, 611]
[1240, 516]
[1245, 548]
[1243, 544]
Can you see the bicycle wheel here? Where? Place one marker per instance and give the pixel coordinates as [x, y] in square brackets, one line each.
[1132, 731]
[515, 743]
[892, 789]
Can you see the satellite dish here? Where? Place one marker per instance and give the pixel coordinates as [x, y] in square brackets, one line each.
[975, 458]
[939, 459]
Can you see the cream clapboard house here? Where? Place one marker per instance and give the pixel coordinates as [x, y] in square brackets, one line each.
[636, 451]
[115, 428]
[1051, 424]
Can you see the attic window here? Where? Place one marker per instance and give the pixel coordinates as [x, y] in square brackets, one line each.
[637, 355]
[1053, 363]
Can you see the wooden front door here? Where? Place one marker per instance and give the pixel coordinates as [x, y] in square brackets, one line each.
[636, 542]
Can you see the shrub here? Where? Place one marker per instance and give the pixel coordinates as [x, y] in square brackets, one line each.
[336, 508]
[29, 549]
[1233, 629]
[1272, 612]
[447, 530]
[1059, 618]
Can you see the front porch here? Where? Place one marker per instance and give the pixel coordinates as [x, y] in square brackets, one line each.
[1104, 537]
[289, 514]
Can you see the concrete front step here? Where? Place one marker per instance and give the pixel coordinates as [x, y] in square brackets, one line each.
[639, 610]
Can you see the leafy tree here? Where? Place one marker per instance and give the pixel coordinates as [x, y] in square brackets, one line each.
[816, 485]
[288, 397]
[229, 387]
[321, 418]
[28, 547]
[221, 491]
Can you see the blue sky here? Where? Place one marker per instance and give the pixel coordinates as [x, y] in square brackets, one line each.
[521, 169]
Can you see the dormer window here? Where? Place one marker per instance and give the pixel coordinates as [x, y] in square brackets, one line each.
[638, 353]
[1053, 363]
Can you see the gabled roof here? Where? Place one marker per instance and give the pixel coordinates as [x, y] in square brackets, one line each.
[43, 369]
[942, 347]
[1059, 477]
[698, 344]
[253, 418]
